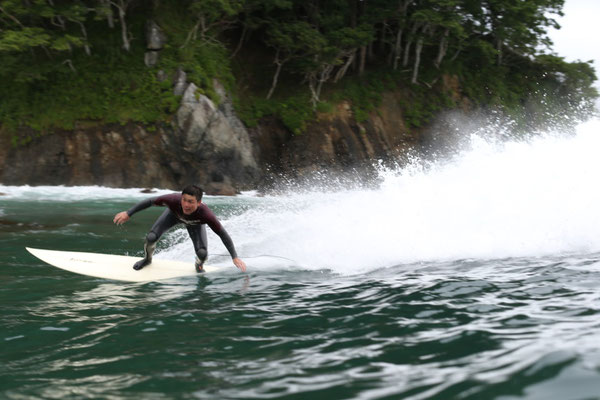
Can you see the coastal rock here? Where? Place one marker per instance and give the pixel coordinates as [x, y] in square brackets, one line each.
[155, 37]
[180, 82]
[218, 141]
[150, 58]
[155, 41]
[336, 143]
[208, 145]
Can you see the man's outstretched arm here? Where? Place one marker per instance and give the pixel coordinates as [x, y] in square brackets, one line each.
[124, 216]
[226, 239]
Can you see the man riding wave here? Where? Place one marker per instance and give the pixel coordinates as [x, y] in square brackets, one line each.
[185, 208]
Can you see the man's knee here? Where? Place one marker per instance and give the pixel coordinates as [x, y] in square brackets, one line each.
[202, 253]
[151, 237]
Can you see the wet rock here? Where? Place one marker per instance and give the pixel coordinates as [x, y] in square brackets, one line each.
[150, 58]
[180, 82]
[155, 37]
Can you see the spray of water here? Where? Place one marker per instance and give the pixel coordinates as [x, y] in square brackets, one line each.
[495, 200]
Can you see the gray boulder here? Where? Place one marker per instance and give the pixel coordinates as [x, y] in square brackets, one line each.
[155, 37]
[217, 140]
[180, 82]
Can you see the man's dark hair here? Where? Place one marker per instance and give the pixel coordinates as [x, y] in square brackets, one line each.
[193, 190]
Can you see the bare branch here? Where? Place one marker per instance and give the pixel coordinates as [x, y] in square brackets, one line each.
[11, 17]
[70, 64]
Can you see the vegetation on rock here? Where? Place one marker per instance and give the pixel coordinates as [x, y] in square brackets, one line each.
[65, 64]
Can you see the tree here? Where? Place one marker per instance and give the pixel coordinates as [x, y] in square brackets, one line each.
[520, 25]
[121, 6]
[212, 15]
[38, 31]
[290, 40]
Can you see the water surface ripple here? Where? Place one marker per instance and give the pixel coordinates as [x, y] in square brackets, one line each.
[510, 328]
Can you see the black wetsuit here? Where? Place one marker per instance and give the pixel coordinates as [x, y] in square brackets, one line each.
[194, 223]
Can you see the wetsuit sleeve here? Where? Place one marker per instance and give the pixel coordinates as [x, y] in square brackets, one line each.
[213, 222]
[226, 239]
[142, 205]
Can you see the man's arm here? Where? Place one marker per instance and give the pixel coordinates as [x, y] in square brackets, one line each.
[226, 239]
[215, 225]
[124, 216]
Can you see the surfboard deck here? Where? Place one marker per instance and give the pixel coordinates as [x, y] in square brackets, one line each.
[115, 267]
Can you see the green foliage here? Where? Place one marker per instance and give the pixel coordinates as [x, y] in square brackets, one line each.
[422, 104]
[61, 63]
[108, 86]
[293, 111]
[363, 93]
[127, 94]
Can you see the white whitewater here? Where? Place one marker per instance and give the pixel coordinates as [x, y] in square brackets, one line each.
[514, 199]
[529, 198]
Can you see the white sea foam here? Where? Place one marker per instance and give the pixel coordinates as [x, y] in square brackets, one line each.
[76, 193]
[496, 200]
[72, 193]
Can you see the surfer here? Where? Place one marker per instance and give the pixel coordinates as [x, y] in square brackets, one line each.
[185, 208]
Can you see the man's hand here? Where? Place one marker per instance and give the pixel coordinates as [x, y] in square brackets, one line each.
[121, 218]
[240, 264]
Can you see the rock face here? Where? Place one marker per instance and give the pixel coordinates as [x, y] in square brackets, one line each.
[155, 41]
[208, 145]
[205, 145]
[116, 156]
[336, 142]
[211, 136]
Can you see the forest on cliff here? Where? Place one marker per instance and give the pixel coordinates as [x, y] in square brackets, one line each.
[69, 64]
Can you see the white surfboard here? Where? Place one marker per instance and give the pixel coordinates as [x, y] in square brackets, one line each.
[120, 268]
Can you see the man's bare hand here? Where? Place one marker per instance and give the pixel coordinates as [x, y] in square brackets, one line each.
[121, 218]
[240, 264]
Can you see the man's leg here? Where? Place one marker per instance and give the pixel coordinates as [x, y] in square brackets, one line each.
[198, 235]
[163, 223]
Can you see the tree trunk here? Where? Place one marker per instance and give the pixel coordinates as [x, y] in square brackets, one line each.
[315, 83]
[455, 56]
[11, 17]
[413, 31]
[383, 37]
[191, 36]
[342, 71]
[363, 57]
[241, 41]
[122, 7]
[109, 14]
[88, 51]
[499, 50]
[398, 47]
[314, 98]
[418, 49]
[279, 64]
[442, 49]
[124, 34]
[402, 10]
[203, 26]
[324, 77]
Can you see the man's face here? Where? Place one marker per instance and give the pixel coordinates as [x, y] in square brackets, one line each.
[189, 204]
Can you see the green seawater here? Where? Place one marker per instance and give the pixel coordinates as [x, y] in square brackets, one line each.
[343, 321]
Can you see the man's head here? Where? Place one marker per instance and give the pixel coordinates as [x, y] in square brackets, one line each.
[191, 196]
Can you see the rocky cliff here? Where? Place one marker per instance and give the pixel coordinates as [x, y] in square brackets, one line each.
[204, 144]
[208, 145]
